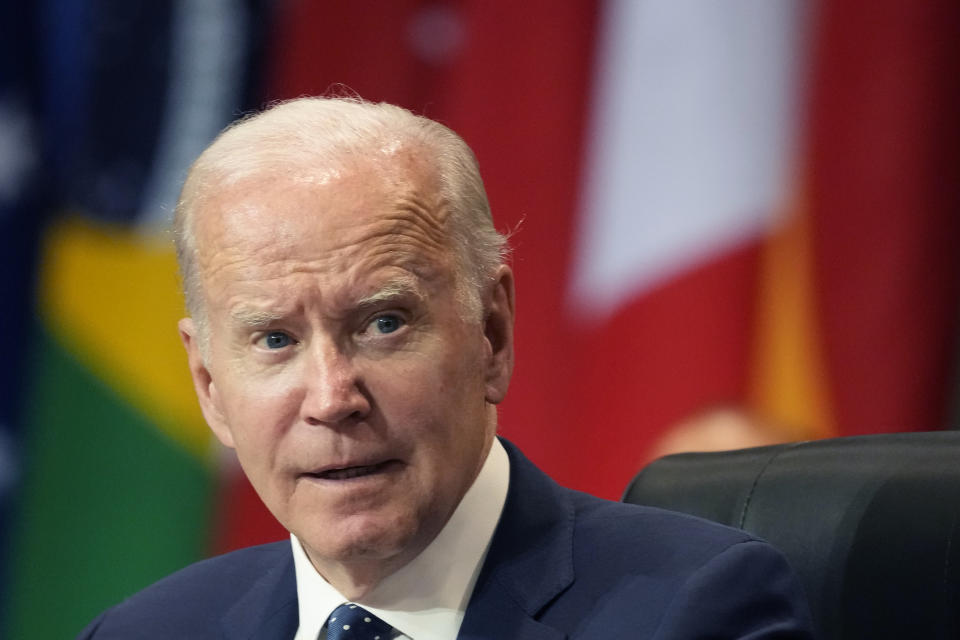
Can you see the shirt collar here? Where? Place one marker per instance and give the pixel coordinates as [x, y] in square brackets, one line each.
[427, 598]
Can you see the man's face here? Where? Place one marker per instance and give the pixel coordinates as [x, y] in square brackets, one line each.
[340, 366]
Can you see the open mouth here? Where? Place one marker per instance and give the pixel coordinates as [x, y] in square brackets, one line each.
[349, 473]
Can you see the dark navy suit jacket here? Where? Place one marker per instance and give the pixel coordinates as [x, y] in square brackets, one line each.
[562, 564]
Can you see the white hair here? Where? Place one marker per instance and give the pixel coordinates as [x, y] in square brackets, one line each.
[321, 134]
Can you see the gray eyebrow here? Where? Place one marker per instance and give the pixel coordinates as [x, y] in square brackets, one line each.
[393, 289]
[253, 317]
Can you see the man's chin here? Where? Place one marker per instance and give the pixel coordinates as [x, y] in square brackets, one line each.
[357, 543]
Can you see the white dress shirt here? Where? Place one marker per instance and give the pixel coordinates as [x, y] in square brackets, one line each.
[427, 598]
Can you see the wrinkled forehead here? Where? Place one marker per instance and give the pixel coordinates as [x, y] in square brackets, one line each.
[370, 211]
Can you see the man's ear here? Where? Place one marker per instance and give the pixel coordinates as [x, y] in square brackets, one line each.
[498, 332]
[203, 383]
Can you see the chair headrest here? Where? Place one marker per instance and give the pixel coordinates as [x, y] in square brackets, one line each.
[870, 523]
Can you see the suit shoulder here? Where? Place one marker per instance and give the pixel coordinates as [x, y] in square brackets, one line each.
[685, 570]
[194, 597]
[228, 572]
[649, 536]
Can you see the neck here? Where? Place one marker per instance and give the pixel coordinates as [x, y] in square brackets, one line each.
[356, 580]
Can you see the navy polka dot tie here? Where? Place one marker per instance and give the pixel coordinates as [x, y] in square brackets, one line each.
[352, 622]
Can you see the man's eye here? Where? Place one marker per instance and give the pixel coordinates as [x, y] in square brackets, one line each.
[387, 323]
[277, 340]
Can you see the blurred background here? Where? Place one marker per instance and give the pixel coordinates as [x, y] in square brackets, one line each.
[733, 223]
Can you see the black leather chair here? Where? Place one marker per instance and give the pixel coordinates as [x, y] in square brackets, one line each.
[870, 523]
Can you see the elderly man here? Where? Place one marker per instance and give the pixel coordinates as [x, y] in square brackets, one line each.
[350, 337]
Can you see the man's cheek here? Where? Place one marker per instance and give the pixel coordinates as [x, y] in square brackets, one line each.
[266, 395]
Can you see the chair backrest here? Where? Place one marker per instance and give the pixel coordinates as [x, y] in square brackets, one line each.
[871, 524]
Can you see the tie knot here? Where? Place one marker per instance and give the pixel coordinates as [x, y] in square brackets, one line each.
[353, 622]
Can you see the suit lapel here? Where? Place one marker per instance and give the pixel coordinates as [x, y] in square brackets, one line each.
[530, 561]
[268, 610]
[496, 615]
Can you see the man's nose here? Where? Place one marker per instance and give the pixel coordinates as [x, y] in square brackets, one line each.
[333, 393]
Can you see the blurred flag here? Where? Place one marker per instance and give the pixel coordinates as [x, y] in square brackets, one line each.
[118, 484]
[19, 227]
[768, 222]
[883, 149]
[692, 146]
